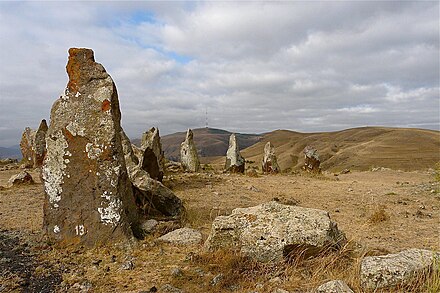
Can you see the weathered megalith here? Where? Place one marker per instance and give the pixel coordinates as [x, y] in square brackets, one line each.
[152, 158]
[234, 161]
[152, 197]
[40, 144]
[396, 269]
[272, 231]
[269, 164]
[89, 197]
[311, 160]
[27, 147]
[188, 154]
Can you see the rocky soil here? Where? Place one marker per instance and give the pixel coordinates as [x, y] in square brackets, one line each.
[381, 212]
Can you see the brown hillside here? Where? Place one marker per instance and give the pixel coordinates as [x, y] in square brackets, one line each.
[357, 148]
[209, 142]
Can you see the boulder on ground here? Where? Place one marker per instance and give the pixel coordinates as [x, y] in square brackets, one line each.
[27, 147]
[188, 154]
[152, 197]
[335, 286]
[40, 144]
[152, 158]
[89, 197]
[182, 236]
[235, 163]
[311, 160]
[269, 165]
[21, 178]
[272, 231]
[394, 269]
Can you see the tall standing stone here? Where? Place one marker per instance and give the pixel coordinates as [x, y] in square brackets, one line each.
[40, 144]
[89, 198]
[152, 157]
[27, 146]
[311, 160]
[188, 154]
[270, 164]
[235, 163]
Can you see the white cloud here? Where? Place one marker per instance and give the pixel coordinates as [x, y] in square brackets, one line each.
[256, 66]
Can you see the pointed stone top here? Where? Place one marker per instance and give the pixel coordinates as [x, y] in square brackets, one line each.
[82, 68]
[189, 134]
[43, 125]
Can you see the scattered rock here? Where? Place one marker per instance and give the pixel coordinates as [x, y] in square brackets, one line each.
[272, 231]
[27, 146]
[89, 198]
[182, 236]
[253, 188]
[149, 225]
[173, 167]
[21, 178]
[127, 265]
[311, 160]
[176, 272]
[269, 164]
[216, 280]
[345, 171]
[152, 158]
[394, 269]
[40, 145]
[335, 286]
[167, 288]
[235, 163]
[152, 197]
[188, 154]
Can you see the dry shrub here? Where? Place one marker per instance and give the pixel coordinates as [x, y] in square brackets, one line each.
[379, 215]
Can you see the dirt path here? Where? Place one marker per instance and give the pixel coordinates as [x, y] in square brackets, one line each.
[20, 268]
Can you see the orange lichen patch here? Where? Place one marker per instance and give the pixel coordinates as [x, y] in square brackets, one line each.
[67, 135]
[79, 58]
[105, 105]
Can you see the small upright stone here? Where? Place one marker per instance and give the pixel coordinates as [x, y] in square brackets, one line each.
[27, 147]
[89, 198]
[311, 160]
[152, 157]
[40, 144]
[335, 286]
[235, 163]
[188, 154]
[270, 164]
[20, 179]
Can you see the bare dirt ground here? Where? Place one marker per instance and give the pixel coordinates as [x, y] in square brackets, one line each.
[380, 212]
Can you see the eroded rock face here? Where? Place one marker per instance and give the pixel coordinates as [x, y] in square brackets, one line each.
[272, 231]
[152, 158]
[152, 197]
[89, 198]
[270, 164]
[235, 163]
[311, 160]
[40, 144]
[188, 154]
[27, 146]
[394, 269]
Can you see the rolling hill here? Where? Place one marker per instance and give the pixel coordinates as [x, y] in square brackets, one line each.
[358, 148]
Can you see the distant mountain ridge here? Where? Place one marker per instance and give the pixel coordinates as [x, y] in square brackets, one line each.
[210, 142]
[13, 152]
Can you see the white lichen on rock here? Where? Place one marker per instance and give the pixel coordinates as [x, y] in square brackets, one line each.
[74, 128]
[54, 167]
[93, 151]
[110, 214]
[56, 229]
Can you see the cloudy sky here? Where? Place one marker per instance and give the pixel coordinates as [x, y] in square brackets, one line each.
[254, 66]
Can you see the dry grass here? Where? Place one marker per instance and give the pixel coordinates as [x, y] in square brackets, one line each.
[379, 215]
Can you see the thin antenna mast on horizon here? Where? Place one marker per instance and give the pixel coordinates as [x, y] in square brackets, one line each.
[206, 117]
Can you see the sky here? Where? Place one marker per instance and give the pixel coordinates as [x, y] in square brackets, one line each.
[253, 67]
